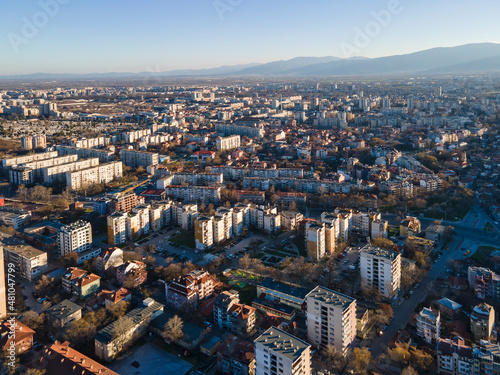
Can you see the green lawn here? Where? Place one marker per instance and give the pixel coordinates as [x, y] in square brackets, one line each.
[185, 239]
[299, 241]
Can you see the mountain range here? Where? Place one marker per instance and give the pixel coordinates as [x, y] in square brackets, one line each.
[469, 58]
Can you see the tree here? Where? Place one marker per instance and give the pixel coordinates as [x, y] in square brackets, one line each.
[33, 320]
[43, 283]
[117, 309]
[384, 243]
[359, 360]
[400, 355]
[386, 309]
[69, 260]
[173, 329]
[22, 192]
[409, 371]
[293, 206]
[80, 332]
[333, 358]
[245, 262]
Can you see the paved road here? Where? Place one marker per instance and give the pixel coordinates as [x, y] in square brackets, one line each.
[403, 312]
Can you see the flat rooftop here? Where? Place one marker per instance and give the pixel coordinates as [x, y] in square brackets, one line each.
[282, 343]
[330, 297]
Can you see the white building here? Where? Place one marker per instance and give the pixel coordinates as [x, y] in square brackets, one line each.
[75, 237]
[204, 232]
[136, 159]
[228, 143]
[331, 319]
[380, 269]
[279, 353]
[117, 228]
[29, 263]
[103, 173]
[429, 325]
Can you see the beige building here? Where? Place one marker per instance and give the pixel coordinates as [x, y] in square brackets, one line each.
[315, 240]
[331, 319]
[291, 219]
[117, 228]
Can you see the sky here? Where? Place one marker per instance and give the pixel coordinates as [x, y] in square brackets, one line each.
[99, 36]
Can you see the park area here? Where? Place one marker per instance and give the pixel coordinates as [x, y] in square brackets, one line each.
[185, 239]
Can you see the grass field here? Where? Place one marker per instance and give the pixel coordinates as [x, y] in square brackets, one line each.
[185, 239]
[483, 253]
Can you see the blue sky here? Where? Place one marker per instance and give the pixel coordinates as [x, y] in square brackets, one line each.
[87, 36]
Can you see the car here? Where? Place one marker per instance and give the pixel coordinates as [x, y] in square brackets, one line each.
[417, 285]
[411, 292]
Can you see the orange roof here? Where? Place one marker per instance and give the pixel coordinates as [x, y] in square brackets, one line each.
[21, 332]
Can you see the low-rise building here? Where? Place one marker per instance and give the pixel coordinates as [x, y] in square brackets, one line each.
[113, 338]
[132, 274]
[14, 334]
[60, 315]
[80, 283]
[190, 289]
[232, 315]
[236, 357]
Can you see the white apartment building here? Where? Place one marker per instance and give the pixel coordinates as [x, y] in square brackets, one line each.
[272, 222]
[136, 159]
[331, 319]
[279, 353]
[29, 263]
[228, 143]
[429, 325]
[117, 228]
[75, 237]
[184, 215]
[37, 166]
[103, 173]
[28, 158]
[226, 214]
[58, 173]
[219, 229]
[204, 232]
[380, 269]
[238, 221]
[205, 194]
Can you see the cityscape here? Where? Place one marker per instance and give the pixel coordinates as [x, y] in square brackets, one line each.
[229, 215]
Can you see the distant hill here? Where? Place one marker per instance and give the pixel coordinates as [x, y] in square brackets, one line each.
[469, 58]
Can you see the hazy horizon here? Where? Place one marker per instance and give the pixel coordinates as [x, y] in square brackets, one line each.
[71, 37]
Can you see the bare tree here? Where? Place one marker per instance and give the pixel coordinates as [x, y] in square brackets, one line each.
[173, 329]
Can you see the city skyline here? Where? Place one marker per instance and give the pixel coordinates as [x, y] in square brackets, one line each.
[56, 36]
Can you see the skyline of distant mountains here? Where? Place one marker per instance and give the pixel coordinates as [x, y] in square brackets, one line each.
[469, 58]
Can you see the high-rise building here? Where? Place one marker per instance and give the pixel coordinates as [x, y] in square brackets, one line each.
[331, 319]
[117, 228]
[381, 270]
[279, 353]
[315, 240]
[482, 320]
[203, 232]
[75, 237]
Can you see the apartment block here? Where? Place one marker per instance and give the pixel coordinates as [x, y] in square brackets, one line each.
[201, 194]
[75, 237]
[103, 173]
[30, 263]
[381, 270]
[117, 228]
[228, 143]
[132, 158]
[315, 240]
[291, 219]
[379, 228]
[232, 315]
[429, 325]
[331, 319]
[8, 162]
[204, 232]
[190, 289]
[482, 320]
[278, 352]
[57, 174]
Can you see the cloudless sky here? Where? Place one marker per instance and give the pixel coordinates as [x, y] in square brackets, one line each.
[89, 36]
